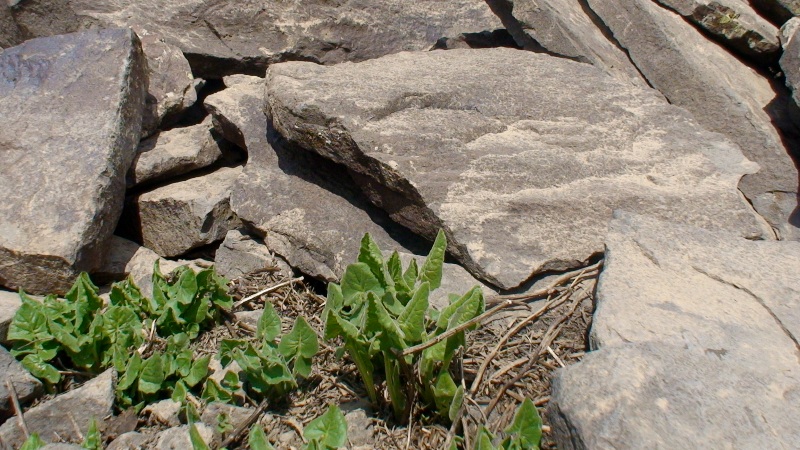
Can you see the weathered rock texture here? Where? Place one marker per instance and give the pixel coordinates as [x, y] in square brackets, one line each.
[174, 152]
[520, 157]
[223, 37]
[307, 208]
[723, 94]
[734, 23]
[67, 416]
[565, 28]
[171, 89]
[9, 304]
[182, 216]
[241, 254]
[698, 336]
[71, 109]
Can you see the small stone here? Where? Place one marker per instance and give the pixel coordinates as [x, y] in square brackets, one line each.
[235, 415]
[178, 438]
[9, 304]
[241, 254]
[182, 216]
[67, 416]
[165, 412]
[26, 386]
[130, 441]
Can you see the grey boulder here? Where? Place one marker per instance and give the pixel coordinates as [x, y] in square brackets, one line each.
[26, 386]
[520, 157]
[734, 23]
[241, 254]
[224, 37]
[9, 304]
[171, 88]
[67, 416]
[174, 152]
[565, 28]
[722, 93]
[697, 333]
[306, 208]
[71, 107]
[188, 214]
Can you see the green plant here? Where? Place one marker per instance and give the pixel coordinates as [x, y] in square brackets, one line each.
[524, 433]
[381, 309]
[269, 366]
[80, 332]
[34, 442]
[326, 432]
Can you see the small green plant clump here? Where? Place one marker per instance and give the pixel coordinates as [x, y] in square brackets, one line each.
[524, 433]
[381, 309]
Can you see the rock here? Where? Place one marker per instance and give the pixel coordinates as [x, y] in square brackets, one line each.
[359, 428]
[220, 38]
[165, 412]
[565, 28]
[520, 157]
[307, 208]
[697, 334]
[129, 258]
[788, 30]
[174, 152]
[182, 216]
[9, 304]
[734, 23]
[700, 290]
[778, 11]
[650, 395]
[171, 89]
[455, 280]
[59, 225]
[241, 254]
[249, 318]
[26, 386]
[234, 415]
[129, 441]
[22, 20]
[681, 63]
[70, 413]
[178, 438]
[61, 446]
[790, 64]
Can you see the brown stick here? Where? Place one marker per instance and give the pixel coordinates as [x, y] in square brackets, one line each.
[266, 291]
[17, 408]
[544, 292]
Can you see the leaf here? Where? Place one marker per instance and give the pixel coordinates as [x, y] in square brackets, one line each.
[444, 391]
[411, 273]
[329, 429]
[383, 326]
[395, 267]
[474, 297]
[93, 439]
[269, 324]
[412, 319]
[370, 254]
[527, 425]
[198, 371]
[131, 373]
[34, 442]
[213, 392]
[301, 341]
[197, 441]
[335, 297]
[483, 439]
[185, 288]
[358, 279]
[179, 392]
[432, 268]
[455, 405]
[394, 385]
[41, 369]
[152, 375]
[257, 440]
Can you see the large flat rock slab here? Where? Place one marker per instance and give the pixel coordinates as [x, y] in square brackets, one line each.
[221, 37]
[722, 93]
[307, 208]
[520, 157]
[697, 333]
[566, 28]
[71, 111]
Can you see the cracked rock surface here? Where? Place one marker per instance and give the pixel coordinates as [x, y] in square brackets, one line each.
[520, 157]
[692, 326]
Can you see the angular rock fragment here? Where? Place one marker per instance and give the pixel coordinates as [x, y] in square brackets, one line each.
[67, 416]
[178, 438]
[183, 216]
[733, 23]
[71, 107]
[171, 89]
[697, 334]
[9, 304]
[241, 254]
[174, 152]
[220, 38]
[723, 94]
[307, 208]
[520, 157]
[564, 28]
[26, 386]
